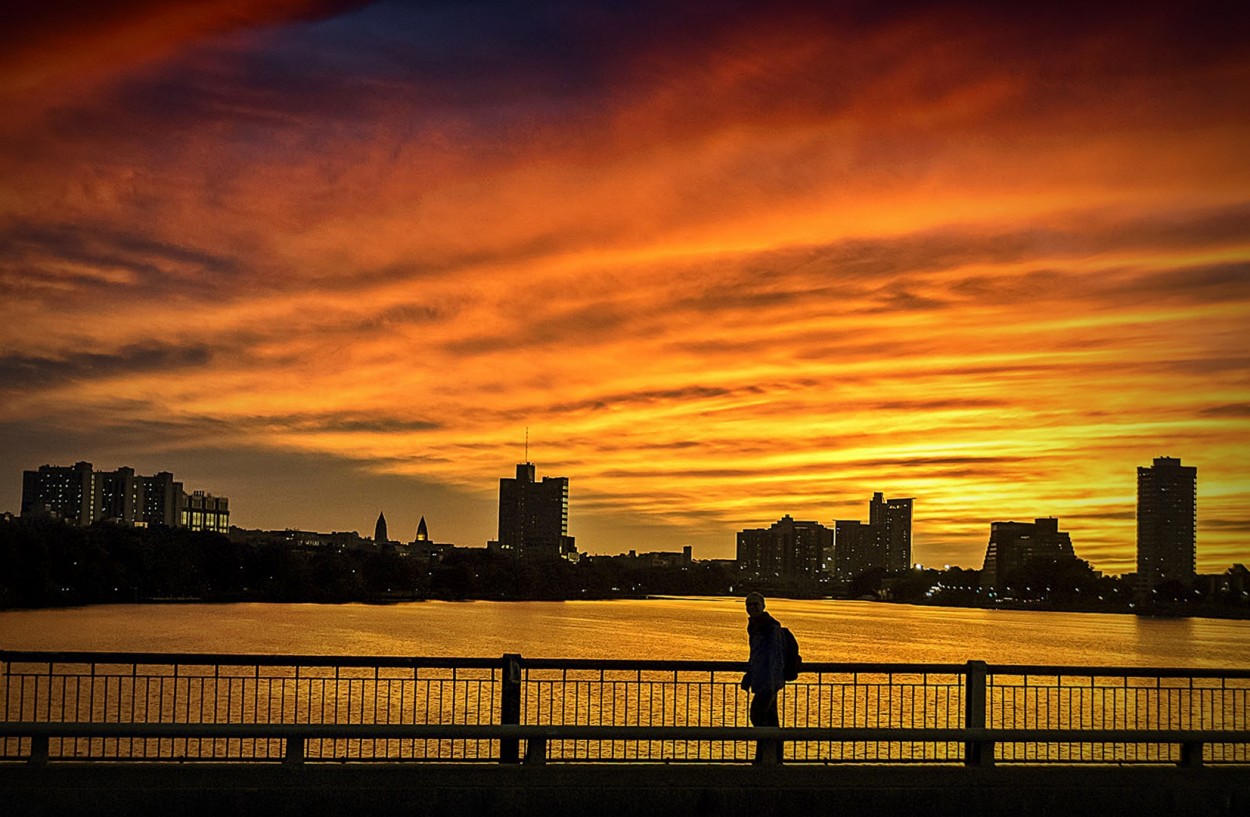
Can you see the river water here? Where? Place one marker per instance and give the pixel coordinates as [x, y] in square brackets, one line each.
[658, 628]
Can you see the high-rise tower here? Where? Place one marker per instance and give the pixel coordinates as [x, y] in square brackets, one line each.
[534, 516]
[379, 530]
[1167, 515]
[891, 520]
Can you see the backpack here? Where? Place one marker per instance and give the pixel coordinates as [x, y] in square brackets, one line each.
[790, 649]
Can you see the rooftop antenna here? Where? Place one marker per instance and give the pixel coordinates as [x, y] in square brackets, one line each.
[527, 443]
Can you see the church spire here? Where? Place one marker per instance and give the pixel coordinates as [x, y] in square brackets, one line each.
[423, 535]
[379, 530]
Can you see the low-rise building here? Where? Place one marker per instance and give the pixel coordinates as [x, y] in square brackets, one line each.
[1013, 545]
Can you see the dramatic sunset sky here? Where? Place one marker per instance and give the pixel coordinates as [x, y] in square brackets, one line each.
[725, 261]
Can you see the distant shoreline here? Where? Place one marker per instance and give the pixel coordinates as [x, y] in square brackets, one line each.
[1233, 613]
[48, 565]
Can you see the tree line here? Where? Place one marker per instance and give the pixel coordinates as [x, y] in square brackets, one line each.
[44, 563]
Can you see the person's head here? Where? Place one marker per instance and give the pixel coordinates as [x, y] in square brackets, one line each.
[755, 604]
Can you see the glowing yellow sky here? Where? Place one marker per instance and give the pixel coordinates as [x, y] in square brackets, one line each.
[722, 267]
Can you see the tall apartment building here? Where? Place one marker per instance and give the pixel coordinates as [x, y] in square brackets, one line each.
[534, 516]
[81, 495]
[1012, 545]
[63, 492]
[855, 549]
[1167, 519]
[892, 520]
[161, 501]
[882, 544]
[787, 549]
[115, 495]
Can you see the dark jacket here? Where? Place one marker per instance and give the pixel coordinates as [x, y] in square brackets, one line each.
[766, 667]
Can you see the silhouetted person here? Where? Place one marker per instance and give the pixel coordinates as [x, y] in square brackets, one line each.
[765, 675]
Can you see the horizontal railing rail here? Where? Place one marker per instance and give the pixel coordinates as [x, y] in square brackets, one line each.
[237, 707]
[240, 659]
[744, 733]
[537, 737]
[809, 667]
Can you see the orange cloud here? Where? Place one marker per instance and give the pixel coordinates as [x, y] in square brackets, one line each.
[769, 270]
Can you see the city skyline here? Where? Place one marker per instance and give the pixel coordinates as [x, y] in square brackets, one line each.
[532, 523]
[725, 264]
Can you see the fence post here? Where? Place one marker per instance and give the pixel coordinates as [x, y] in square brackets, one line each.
[510, 706]
[1191, 754]
[294, 751]
[39, 750]
[976, 752]
[535, 751]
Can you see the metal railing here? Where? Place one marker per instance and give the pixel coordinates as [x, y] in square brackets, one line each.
[1111, 698]
[184, 707]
